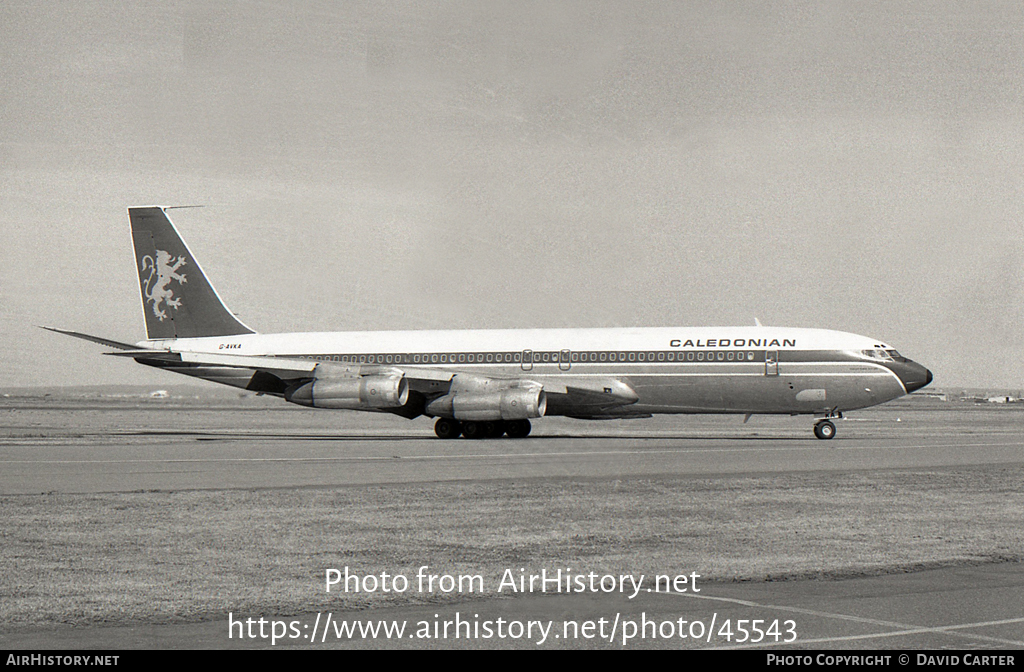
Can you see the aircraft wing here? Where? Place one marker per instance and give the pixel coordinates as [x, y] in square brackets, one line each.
[280, 375]
[284, 369]
[577, 393]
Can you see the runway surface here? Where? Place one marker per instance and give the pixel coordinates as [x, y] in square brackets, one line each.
[99, 445]
[86, 446]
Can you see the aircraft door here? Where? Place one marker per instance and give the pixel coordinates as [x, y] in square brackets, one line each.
[527, 361]
[563, 360]
[771, 363]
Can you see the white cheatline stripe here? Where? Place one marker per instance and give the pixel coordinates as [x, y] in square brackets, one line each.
[904, 628]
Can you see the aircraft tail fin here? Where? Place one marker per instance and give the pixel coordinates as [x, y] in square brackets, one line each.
[177, 299]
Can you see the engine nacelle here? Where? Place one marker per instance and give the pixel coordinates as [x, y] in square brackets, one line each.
[362, 393]
[516, 403]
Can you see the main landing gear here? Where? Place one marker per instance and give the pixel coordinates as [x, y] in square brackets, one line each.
[824, 429]
[447, 428]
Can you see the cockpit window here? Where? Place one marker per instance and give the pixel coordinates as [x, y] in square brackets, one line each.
[878, 354]
[897, 356]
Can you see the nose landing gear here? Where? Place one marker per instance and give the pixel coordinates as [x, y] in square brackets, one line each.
[824, 429]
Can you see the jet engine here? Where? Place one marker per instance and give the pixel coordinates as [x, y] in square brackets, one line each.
[517, 403]
[366, 392]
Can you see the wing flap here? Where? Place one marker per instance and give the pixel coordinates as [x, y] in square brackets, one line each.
[585, 391]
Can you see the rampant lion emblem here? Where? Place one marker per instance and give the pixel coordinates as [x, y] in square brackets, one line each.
[161, 272]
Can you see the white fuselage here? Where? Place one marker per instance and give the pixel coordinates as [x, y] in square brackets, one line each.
[671, 370]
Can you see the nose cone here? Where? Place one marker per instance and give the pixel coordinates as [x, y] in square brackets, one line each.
[914, 376]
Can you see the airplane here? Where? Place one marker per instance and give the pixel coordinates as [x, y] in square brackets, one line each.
[490, 383]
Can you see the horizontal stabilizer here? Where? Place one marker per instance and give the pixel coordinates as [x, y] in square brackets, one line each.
[95, 339]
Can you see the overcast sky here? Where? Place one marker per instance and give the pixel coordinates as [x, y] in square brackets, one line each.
[434, 165]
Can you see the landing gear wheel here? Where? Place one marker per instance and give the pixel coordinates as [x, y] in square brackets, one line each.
[446, 428]
[496, 430]
[824, 429]
[517, 429]
[474, 430]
